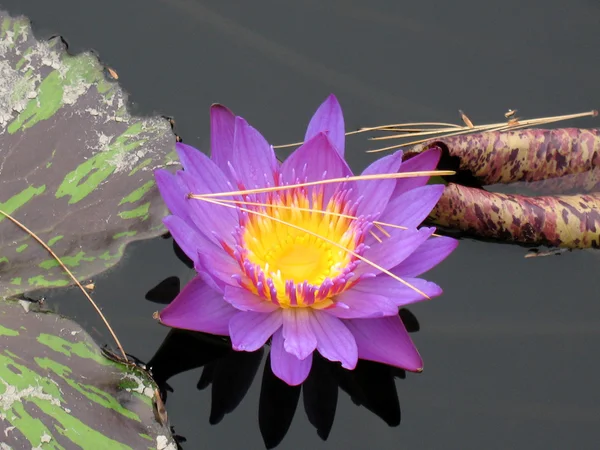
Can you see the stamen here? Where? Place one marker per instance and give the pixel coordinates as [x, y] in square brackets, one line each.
[377, 128]
[407, 129]
[377, 223]
[380, 228]
[409, 124]
[341, 247]
[511, 124]
[379, 176]
[409, 132]
[377, 238]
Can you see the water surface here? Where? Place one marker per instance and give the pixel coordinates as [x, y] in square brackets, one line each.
[510, 348]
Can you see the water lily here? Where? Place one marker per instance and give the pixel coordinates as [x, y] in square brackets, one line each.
[284, 252]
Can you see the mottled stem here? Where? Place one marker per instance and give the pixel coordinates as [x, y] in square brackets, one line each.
[569, 221]
[526, 155]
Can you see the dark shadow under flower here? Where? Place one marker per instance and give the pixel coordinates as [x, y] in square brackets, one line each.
[230, 375]
[165, 291]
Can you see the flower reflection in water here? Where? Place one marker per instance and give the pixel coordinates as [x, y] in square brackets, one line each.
[230, 375]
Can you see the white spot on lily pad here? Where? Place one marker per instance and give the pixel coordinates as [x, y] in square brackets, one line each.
[15, 92]
[25, 304]
[72, 92]
[141, 387]
[162, 443]
[12, 395]
[44, 439]
[7, 41]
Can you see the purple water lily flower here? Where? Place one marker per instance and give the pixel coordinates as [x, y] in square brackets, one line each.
[310, 266]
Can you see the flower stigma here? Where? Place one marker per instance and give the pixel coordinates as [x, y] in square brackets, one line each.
[297, 251]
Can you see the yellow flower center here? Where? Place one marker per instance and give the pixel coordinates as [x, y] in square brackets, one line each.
[299, 246]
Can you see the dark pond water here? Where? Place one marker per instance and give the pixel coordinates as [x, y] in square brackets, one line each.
[511, 348]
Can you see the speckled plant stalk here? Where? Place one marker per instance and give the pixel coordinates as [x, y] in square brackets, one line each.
[568, 221]
[527, 155]
[556, 161]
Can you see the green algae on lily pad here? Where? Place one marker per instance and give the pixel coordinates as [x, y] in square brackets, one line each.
[75, 166]
[57, 390]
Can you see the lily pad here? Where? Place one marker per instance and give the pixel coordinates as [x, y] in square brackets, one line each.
[75, 166]
[57, 390]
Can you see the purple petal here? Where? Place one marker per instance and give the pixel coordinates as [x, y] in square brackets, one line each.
[316, 160]
[188, 238]
[329, 118]
[199, 308]
[387, 341]
[285, 365]
[213, 283]
[245, 300]
[216, 222]
[254, 160]
[412, 207]
[220, 266]
[187, 156]
[354, 304]
[392, 251]
[429, 254]
[395, 292]
[300, 340]
[198, 165]
[200, 215]
[250, 330]
[174, 194]
[427, 160]
[222, 126]
[377, 193]
[334, 341]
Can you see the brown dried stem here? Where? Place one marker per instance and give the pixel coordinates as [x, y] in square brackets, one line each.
[66, 269]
